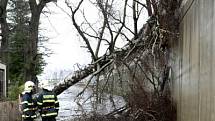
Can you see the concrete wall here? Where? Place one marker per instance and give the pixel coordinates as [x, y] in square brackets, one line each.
[9, 111]
[194, 71]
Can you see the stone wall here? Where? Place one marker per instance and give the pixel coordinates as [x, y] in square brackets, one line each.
[9, 111]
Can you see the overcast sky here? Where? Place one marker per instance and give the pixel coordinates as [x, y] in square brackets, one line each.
[63, 41]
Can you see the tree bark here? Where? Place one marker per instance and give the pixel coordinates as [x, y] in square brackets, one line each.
[31, 50]
[76, 77]
[149, 8]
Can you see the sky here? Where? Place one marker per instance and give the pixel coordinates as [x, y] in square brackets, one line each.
[63, 42]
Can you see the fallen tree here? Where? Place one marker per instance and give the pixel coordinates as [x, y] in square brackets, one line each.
[158, 33]
[146, 59]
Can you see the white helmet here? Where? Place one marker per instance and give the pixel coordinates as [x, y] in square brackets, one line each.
[45, 85]
[29, 85]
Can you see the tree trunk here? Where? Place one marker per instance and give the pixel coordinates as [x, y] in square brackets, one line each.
[76, 77]
[31, 50]
[5, 30]
[4, 57]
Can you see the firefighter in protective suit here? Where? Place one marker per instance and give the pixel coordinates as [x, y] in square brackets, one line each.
[28, 104]
[47, 102]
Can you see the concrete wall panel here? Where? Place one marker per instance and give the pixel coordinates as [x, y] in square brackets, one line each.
[194, 86]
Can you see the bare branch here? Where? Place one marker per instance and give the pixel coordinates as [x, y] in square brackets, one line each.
[88, 82]
[108, 77]
[96, 37]
[124, 35]
[131, 50]
[93, 75]
[89, 24]
[79, 29]
[149, 8]
[134, 19]
[123, 22]
[105, 15]
[100, 37]
[144, 5]
[139, 13]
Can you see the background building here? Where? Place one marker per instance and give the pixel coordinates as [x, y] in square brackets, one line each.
[3, 83]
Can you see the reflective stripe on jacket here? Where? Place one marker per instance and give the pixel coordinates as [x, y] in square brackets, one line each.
[28, 106]
[48, 104]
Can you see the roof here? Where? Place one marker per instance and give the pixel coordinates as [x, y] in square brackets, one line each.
[2, 66]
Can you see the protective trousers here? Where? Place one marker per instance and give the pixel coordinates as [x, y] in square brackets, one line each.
[49, 119]
[28, 119]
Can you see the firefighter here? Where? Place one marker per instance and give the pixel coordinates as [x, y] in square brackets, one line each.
[28, 104]
[47, 102]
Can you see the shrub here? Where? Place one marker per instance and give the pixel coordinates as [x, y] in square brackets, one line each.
[14, 91]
